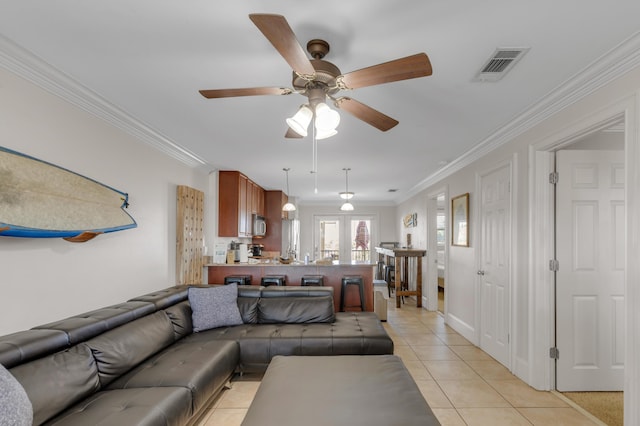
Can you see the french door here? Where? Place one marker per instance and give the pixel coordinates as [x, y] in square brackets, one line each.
[347, 238]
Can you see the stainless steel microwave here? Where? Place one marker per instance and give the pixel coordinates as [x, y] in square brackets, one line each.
[259, 228]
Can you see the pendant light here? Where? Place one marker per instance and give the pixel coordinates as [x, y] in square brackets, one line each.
[347, 206]
[288, 207]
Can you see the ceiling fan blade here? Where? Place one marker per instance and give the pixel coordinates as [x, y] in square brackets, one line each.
[366, 113]
[252, 91]
[400, 69]
[277, 30]
[291, 134]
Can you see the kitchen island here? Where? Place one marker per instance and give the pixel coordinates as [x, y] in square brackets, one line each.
[294, 272]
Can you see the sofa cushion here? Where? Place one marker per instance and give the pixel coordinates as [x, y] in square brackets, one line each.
[119, 350]
[250, 290]
[214, 307]
[296, 291]
[15, 407]
[248, 309]
[296, 310]
[90, 324]
[57, 381]
[170, 406]
[164, 298]
[24, 346]
[202, 367]
[180, 316]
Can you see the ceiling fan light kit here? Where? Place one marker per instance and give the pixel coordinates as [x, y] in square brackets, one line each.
[324, 134]
[324, 118]
[300, 121]
[318, 80]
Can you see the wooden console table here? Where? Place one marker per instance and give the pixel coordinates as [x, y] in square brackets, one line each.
[401, 256]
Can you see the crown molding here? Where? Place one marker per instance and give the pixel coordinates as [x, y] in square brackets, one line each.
[33, 69]
[610, 66]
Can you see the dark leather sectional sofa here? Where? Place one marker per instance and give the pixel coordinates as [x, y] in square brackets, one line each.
[139, 362]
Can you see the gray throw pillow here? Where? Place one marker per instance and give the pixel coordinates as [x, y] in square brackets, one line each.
[15, 407]
[214, 307]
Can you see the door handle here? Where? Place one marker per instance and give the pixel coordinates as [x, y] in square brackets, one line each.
[480, 272]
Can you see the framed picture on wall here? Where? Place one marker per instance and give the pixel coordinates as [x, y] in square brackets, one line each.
[460, 220]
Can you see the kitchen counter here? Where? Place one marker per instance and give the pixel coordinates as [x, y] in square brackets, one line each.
[332, 274]
[264, 263]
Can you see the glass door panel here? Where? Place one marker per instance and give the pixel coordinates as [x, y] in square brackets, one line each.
[328, 238]
[360, 238]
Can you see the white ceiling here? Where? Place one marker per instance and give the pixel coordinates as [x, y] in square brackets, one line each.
[145, 61]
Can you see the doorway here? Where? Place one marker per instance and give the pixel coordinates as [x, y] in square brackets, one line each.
[436, 271]
[344, 238]
[590, 252]
[543, 303]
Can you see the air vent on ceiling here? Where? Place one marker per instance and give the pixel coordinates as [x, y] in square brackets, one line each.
[500, 62]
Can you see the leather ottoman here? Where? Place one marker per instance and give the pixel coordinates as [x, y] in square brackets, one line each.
[352, 390]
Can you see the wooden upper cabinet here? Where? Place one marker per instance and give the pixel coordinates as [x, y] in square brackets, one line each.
[273, 202]
[258, 200]
[244, 199]
[238, 199]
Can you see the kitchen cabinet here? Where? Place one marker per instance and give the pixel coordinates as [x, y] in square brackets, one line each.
[255, 198]
[238, 199]
[273, 202]
[258, 197]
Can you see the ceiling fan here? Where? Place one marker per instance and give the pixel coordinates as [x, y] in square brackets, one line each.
[318, 79]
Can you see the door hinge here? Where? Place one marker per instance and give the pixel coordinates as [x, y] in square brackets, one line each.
[554, 353]
[553, 178]
[554, 265]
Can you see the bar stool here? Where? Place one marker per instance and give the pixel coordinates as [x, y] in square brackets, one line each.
[316, 280]
[389, 277]
[237, 279]
[380, 270]
[268, 280]
[352, 280]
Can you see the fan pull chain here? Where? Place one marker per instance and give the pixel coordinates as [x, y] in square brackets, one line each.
[315, 157]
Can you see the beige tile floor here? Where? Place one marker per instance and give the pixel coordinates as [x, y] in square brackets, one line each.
[462, 384]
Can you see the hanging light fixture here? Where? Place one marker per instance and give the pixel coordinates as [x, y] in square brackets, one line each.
[347, 206]
[325, 120]
[300, 121]
[288, 207]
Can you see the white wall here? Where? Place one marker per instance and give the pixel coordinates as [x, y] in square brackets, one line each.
[462, 281]
[44, 280]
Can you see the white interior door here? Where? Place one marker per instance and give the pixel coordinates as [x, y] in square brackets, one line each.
[495, 264]
[590, 279]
